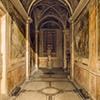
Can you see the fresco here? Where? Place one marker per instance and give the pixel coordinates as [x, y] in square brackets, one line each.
[82, 35]
[17, 42]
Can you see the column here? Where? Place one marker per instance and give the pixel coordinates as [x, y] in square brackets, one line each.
[36, 49]
[65, 63]
[27, 51]
[72, 52]
[4, 88]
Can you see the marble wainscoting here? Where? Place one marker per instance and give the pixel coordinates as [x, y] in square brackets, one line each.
[56, 62]
[16, 73]
[0, 84]
[88, 80]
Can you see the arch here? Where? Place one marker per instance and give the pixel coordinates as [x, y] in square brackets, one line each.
[58, 0]
[51, 16]
[53, 9]
[49, 22]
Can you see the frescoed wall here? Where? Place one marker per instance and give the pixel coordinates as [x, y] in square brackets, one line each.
[87, 44]
[82, 34]
[17, 42]
[16, 72]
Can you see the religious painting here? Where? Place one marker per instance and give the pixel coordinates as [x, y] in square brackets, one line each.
[17, 42]
[81, 36]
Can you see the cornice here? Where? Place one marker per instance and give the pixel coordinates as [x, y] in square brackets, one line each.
[82, 4]
[17, 4]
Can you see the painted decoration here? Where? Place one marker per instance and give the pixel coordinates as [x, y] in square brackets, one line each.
[17, 42]
[82, 34]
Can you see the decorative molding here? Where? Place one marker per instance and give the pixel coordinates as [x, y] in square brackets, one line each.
[82, 4]
[17, 4]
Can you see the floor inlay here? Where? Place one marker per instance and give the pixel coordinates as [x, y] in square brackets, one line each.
[50, 91]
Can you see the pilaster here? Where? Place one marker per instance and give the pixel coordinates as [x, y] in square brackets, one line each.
[4, 88]
[36, 49]
[72, 51]
[65, 55]
[27, 51]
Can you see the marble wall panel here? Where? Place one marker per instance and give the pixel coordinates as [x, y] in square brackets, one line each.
[15, 77]
[0, 85]
[93, 86]
[82, 77]
[43, 63]
[57, 63]
[0, 64]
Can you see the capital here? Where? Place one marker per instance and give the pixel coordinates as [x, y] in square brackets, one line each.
[36, 31]
[66, 31]
[71, 20]
[29, 20]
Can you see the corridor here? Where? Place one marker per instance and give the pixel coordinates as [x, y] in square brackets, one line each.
[49, 85]
[49, 49]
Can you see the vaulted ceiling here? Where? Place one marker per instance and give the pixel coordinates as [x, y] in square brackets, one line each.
[27, 3]
[50, 14]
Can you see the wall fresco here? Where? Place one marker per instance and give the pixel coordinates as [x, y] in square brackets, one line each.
[82, 34]
[17, 42]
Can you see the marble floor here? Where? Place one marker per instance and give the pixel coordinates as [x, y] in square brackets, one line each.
[49, 85]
